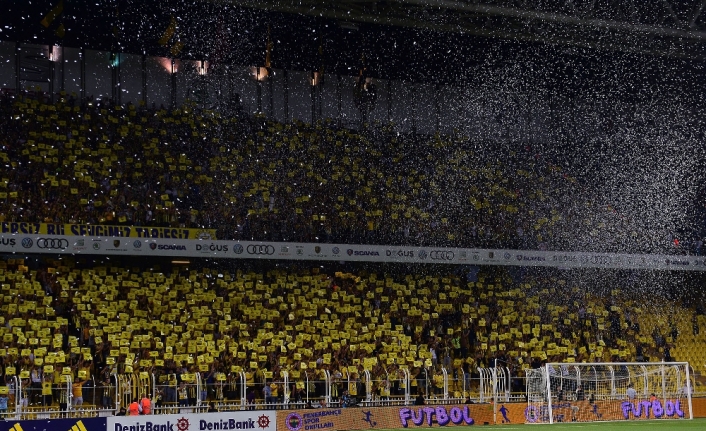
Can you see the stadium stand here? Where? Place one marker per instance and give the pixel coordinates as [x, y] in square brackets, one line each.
[95, 334]
[252, 178]
[97, 322]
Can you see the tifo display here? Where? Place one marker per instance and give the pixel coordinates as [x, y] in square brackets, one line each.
[103, 168]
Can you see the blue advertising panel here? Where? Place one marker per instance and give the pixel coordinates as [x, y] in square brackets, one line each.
[77, 424]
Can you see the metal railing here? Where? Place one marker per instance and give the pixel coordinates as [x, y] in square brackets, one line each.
[495, 384]
[172, 393]
[289, 390]
[44, 400]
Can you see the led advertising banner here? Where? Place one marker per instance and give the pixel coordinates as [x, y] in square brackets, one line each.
[364, 418]
[195, 248]
[78, 424]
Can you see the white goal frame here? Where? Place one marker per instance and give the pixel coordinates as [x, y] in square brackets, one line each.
[660, 378]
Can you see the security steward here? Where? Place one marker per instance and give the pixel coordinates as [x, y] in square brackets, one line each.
[134, 408]
[146, 405]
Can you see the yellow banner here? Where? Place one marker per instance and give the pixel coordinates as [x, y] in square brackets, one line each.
[106, 230]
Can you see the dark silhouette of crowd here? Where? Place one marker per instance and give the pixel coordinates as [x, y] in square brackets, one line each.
[251, 178]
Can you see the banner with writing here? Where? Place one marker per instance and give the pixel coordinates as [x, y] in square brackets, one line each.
[190, 243]
[105, 230]
[364, 418]
[260, 420]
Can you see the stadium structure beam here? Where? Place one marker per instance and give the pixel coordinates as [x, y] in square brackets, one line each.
[697, 14]
[580, 27]
[487, 9]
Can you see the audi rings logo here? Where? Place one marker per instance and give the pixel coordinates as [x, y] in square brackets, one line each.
[27, 242]
[261, 249]
[49, 243]
[441, 255]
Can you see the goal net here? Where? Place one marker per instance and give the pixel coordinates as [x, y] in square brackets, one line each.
[573, 392]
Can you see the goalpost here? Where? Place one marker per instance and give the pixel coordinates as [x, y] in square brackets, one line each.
[588, 392]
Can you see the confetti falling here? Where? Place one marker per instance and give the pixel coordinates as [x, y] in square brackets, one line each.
[436, 133]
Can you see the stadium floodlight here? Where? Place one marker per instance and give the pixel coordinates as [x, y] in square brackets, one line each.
[617, 391]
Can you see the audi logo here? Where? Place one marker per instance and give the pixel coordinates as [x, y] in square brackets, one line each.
[441, 255]
[261, 249]
[52, 243]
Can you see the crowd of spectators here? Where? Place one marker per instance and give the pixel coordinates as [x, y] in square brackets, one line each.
[252, 178]
[220, 321]
[94, 162]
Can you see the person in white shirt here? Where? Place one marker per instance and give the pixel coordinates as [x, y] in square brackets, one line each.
[686, 389]
[631, 392]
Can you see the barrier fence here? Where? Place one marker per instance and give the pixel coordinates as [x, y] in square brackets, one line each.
[197, 392]
[181, 394]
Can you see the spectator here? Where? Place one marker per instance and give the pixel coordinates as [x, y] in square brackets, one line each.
[631, 392]
[183, 394]
[107, 390]
[347, 400]
[580, 395]
[3, 405]
[77, 391]
[267, 393]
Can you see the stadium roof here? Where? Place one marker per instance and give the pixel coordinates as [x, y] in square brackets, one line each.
[661, 28]
[439, 40]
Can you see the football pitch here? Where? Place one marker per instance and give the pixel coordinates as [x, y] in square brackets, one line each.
[661, 425]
